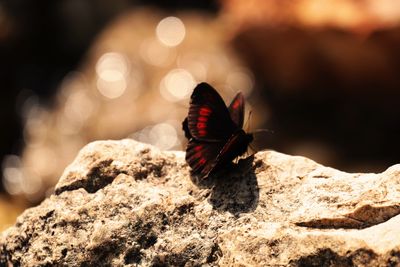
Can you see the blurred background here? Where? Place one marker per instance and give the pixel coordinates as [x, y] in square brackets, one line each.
[323, 75]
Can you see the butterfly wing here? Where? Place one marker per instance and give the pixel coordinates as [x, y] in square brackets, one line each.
[236, 110]
[209, 118]
[185, 128]
[201, 156]
[207, 157]
[214, 131]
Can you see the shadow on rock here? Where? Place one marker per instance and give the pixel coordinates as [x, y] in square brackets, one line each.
[234, 189]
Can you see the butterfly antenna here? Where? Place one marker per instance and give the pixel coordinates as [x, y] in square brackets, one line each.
[263, 131]
[248, 121]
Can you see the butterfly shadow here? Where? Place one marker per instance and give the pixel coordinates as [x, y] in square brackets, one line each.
[234, 189]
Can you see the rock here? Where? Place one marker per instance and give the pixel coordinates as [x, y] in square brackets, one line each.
[126, 203]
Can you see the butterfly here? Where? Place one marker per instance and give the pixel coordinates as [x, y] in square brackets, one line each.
[214, 131]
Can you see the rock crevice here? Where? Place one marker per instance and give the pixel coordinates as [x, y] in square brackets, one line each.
[362, 217]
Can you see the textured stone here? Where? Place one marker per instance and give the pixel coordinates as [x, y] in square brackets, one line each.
[123, 202]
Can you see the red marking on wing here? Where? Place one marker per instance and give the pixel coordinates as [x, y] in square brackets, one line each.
[209, 119]
[201, 156]
[202, 161]
[201, 125]
[236, 104]
[236, 110]
[205, 111]
[198, 157]
[203, 119]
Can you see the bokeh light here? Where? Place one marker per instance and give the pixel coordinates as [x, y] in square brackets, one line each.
[162, 135]
[177, 85]
[171, 31]
[156, 53]
[195, 63]
[240, 80]
[16, 182]
[112, 70]
[78, 106]
[12, 175]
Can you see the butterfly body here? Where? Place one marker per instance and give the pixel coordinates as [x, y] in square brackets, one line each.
[214, 131]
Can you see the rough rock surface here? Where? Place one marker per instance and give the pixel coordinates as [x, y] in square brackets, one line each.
[126, 203]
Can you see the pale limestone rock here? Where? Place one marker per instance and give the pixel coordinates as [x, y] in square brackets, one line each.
[126, 203]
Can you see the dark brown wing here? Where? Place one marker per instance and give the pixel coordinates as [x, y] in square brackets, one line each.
[201, 156]
[204, 157]
[236, 110]
[185, 128]
[209, 118]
